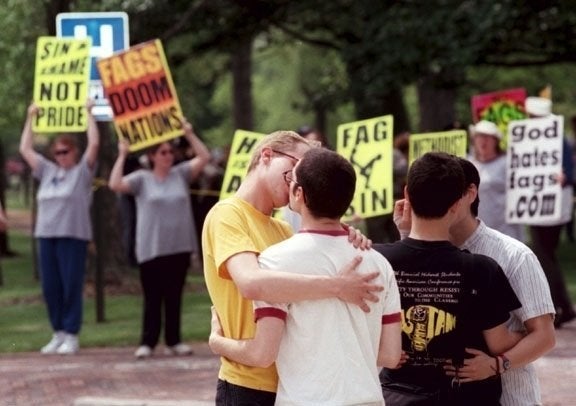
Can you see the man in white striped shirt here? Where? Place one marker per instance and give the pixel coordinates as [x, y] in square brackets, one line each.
[520, 384]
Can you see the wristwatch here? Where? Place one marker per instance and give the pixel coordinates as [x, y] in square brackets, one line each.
[506, 364]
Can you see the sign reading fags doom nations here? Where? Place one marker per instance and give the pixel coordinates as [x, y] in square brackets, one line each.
[61, 84]
[139, 87]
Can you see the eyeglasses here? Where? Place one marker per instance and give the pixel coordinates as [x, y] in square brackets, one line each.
[59, 152]
[288, 177]
[286, 155]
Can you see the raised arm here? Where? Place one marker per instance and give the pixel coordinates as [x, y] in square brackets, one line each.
[202, 154]
[260, 351]
[27, 138]
[116, 181]
[277, 286]
[93, 136]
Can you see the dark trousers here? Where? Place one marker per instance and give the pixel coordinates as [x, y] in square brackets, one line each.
[163, 281]
[62, 269]
[228, 394]
[545, 240]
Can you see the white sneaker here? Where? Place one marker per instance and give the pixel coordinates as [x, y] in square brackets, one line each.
[56, 341]
[143, 352]
[69, 346]
[179, 349]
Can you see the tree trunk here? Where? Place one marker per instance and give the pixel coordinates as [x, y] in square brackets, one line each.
[4, 244]
[110, 253]
[437, 105]
[385, 103]
[242, 86]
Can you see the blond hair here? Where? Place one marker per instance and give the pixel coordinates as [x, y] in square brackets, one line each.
[281, 141]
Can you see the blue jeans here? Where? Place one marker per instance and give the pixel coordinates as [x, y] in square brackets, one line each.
[228, 394]
[62, 269]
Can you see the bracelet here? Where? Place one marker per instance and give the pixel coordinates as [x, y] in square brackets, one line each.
[497, 369]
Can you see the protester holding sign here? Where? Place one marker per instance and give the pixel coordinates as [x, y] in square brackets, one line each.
[490, 161]
[546, 236]
[63, 226]
[164, 234]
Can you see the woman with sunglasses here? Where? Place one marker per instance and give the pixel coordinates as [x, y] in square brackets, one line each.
[165, 236]
[63, 226]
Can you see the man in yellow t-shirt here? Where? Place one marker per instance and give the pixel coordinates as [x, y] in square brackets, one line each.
[235, 231]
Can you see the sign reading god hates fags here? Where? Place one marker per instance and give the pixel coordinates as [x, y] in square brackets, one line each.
[452, 142]
[367, 144]
[139, 87]
[240, 155]
[534, 163]
[61, 84]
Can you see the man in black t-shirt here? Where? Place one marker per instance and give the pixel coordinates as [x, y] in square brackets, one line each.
[451, 300]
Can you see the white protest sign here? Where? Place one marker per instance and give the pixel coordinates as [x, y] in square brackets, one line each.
[533, 166]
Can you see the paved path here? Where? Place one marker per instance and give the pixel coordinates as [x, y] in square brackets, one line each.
[112, 377]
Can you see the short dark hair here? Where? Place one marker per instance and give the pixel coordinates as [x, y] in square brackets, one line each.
[435, 182]
[471, 177]
[328, 181]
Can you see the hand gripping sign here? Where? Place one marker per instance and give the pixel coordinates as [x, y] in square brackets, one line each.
[139, 87]
[61, 84]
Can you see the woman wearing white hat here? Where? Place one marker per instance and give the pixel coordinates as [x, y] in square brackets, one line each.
[490, 161]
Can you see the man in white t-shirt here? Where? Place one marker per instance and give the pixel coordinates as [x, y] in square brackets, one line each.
[327, 352]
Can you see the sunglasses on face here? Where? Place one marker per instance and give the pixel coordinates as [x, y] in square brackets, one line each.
[60, 152]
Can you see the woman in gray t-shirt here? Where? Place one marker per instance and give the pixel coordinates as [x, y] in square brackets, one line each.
[165, 236]
[63, 226]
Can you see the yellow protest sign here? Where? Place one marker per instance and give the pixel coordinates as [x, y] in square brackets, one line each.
[368, 146]
[452, 142]
[141, 92]
[61, 76]
[240, 155]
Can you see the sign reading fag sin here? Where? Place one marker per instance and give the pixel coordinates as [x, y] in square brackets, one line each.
[138, 84]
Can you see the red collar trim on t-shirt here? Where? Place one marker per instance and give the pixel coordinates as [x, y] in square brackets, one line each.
[333, 233]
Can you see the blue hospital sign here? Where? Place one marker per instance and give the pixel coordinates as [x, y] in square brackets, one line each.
[109, 33]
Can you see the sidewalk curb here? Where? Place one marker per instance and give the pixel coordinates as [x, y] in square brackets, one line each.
[98, 401]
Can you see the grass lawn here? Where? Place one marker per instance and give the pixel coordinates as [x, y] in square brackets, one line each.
[24, 321]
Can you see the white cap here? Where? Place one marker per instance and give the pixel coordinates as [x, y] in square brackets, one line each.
[538, 106]
[487, 128]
